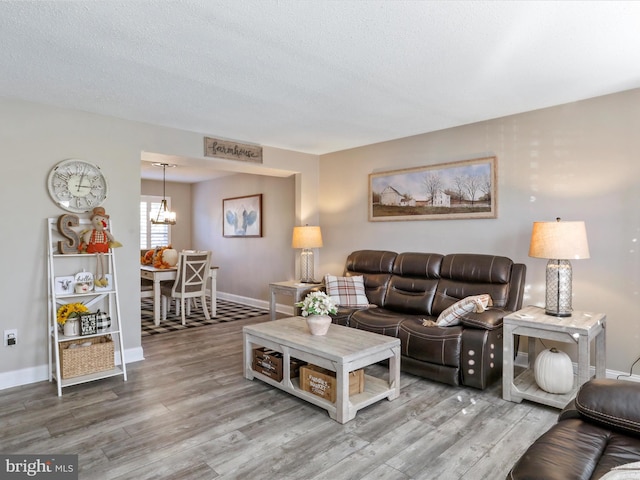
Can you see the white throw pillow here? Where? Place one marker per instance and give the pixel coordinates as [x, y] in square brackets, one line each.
[346, 291]
[476, 303]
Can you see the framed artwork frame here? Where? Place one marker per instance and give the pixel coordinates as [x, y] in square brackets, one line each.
[64, 285]
[242, 216]
[456, 190]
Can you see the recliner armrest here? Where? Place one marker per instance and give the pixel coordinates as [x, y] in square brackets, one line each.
[489, 319]
[569, 411]
[614, 403]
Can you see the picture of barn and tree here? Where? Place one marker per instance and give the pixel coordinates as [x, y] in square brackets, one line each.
[465, 189]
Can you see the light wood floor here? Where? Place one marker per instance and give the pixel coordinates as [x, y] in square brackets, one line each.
[186, 412]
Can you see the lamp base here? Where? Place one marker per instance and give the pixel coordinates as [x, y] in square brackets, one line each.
[306, 266]
[558, 294]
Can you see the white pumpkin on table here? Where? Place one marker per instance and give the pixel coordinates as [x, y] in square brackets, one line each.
[170, 256]
[553, 371]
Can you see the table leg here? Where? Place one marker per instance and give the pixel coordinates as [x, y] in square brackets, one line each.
[584, 359]
[156, 301]
[272, 304]
[343, 413]
[213, 292]
[531, 357]
[247, 353]
[507, 363]
[394, 373]
[601, 354]
[297, 297]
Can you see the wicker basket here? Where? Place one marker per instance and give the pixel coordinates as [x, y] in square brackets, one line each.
[78, 361]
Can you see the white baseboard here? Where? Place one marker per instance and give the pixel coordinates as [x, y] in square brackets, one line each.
[522, 360]
[252, 302]
[24, 376]
[40, 373]
[264, 304]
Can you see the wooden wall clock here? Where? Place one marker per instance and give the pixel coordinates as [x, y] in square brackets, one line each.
[77, 185]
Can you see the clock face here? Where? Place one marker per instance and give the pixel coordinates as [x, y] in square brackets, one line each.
[77, 186]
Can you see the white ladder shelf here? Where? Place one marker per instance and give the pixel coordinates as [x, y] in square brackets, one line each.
[105, 299]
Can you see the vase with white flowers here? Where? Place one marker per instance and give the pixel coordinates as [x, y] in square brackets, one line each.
[316, 307]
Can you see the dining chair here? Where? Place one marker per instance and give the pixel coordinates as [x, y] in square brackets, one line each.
[190, 283]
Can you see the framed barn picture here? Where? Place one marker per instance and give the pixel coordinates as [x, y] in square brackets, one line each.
[457, 190]
[242, 216]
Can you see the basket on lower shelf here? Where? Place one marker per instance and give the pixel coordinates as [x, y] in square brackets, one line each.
[91, 355]
[323, 383]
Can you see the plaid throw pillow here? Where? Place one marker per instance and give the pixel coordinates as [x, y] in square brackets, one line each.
[346, 291]
[476, 303]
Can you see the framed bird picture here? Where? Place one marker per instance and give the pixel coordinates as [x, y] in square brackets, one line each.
[242, 216]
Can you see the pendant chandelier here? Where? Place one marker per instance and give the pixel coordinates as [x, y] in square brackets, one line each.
[165, 216]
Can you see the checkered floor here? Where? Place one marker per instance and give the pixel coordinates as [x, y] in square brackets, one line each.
[225, 312]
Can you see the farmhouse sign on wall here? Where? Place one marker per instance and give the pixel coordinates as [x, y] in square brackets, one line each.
[465, 189]
[214, 147]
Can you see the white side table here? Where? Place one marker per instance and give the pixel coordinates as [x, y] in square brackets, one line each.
[293, 289]
[581, 328]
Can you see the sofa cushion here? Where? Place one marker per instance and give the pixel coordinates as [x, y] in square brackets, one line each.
[463, 275]
[422, 265]
[411, 295]
[370, 261]
[452, 315]
[575, 449]
[376, 320]
[440, 346]
[376, 267]
[613, 403]
[488, 320]
[476, 268]
[346, 291]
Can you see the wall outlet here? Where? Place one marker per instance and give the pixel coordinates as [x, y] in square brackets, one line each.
[10, 338]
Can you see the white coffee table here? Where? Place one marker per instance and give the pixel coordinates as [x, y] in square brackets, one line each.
[342, 350]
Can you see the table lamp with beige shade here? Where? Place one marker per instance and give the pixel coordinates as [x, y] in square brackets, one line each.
[307, 238]
[559, 242]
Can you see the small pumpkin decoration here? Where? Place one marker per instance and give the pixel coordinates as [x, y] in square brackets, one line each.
[553, 371]
[170, 255]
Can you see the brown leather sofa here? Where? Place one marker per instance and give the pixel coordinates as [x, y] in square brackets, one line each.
[409, 287]
[596, 432]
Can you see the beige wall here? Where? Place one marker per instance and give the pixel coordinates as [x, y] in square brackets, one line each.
[577, 161]
[33, 138]
[180, 194]
[247, 265]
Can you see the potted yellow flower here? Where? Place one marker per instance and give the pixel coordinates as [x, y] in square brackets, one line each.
[68, 317]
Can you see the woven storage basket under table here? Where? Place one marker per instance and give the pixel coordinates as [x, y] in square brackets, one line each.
[97, 357]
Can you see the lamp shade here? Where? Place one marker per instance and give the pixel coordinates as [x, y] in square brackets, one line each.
[559, 240]
[306, 237]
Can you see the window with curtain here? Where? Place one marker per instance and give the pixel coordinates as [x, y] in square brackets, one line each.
[151, 235]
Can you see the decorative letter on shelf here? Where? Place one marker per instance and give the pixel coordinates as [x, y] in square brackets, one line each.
[65, 222]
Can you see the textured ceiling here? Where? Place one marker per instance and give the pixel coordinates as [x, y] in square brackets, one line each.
[316, 76]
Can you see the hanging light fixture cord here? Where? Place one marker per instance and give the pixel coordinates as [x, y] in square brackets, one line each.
[163, 205]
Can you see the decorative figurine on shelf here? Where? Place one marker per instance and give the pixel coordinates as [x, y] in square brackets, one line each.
[98, 240]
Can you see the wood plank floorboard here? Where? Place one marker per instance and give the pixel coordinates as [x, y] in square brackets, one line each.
[187, 412]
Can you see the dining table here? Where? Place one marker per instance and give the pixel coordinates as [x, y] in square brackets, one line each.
[158, 275]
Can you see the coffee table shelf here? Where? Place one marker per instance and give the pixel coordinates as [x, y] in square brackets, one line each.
[342, 350]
